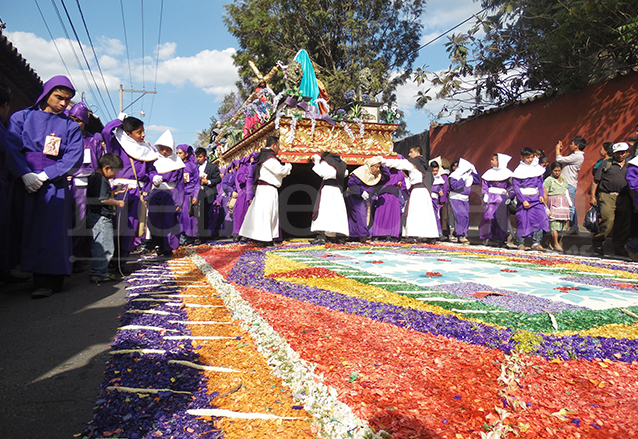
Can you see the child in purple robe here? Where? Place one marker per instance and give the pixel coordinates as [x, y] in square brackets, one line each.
[167, 196]
[360, 185]
[93, 150]
[531, 217]
[187, 221]
[440, 189]
[44, 146]
[461, 181]
[496, 188]
[125, 137]
[387, 206]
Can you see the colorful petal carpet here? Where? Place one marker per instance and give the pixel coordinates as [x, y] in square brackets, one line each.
[373, 341]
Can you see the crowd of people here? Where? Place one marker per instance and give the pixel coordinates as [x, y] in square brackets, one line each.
[74, 197]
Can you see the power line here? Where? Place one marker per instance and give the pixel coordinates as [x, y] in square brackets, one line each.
[88, 66]
[143, 61]
[159, 39]
[97, 61]
[451, 29]
[54, 43]
[128, 58]
[75, 55]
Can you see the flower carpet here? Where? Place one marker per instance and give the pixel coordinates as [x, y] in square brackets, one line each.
[372, 341]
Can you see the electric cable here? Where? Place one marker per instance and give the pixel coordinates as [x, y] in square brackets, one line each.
[75, 55]
[128, 58]
[159, 39]
[451, 29]
[97, 61]
[54, 43]
[83, 54]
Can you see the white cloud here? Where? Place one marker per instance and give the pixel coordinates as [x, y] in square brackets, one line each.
[167, 50]
[111, 46]
[158, 129]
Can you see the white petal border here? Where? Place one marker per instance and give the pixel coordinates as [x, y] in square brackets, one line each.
[335, 418]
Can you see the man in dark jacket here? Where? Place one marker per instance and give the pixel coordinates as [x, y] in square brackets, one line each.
[209, 179]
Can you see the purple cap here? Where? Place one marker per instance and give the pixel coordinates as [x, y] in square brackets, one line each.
[80, 111]
[56, 81]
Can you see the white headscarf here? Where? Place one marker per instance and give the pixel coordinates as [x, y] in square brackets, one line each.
[364, 173]
[172, 162]
[523, 170]
[500, 172]
[137, 150]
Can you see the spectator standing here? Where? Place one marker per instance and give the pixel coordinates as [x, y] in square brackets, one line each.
[610, 191]
[571, 165]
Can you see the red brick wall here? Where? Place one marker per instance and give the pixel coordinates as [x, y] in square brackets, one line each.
[600, 113]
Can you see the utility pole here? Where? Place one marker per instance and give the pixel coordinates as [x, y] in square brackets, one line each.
[131, 91]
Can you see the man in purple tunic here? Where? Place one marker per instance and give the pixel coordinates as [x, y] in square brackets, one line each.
[440, 189]
[360, 185]
[124, 136]
[461, 181]
[167, 196]
[632, 181]
[187, 221]
[496, 186]
[531, 217]
[387, 206]
[93, 150]
[44, 146]
[241, 204]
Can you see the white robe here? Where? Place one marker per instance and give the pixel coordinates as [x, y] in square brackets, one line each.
[332, 217]
[420, 221]
[262, 218]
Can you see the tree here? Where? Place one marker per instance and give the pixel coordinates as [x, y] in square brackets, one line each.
[519, 48]
[203, 136]
[341, 37]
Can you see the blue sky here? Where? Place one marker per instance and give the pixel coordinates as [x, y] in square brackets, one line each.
[194, 70]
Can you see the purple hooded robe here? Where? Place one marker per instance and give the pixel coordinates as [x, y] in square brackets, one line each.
[439, 200]
[162, 213]
[242, 203]
[495, 214]
[128, 217]
[461, 208]
[187, 222]
[46, 241]
[357, 207]
[93, 150]
[387, 213]
[535, 218]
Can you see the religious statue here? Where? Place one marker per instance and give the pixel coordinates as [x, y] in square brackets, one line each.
[364, 84]
[294, 74]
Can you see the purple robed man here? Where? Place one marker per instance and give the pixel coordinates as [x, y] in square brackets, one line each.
[241, 204]
[531, 217]
[440, 189]
[387, 213]
[461, 181]
[167, 196]
[632, 181]
[225, 212]
[496, 188]
[188, 223]
[44, 146]
[137, 158]
[360, 185]
[92, 152]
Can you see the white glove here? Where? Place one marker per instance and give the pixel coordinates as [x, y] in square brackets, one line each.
[485, 197]
[42, 176]
[31, 182]
[316, 158]
[365, 195]
[157, 180]
[122, 116]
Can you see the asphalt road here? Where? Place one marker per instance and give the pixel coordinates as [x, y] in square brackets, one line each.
[52, 355]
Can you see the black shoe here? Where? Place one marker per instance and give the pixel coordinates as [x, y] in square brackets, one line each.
[598, 251]
[318, 241]
[10, 278]
[78, 267]
[41, 293]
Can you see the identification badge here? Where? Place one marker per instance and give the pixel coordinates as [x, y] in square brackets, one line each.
[52, 145]
[87, 156]
[187, 177]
